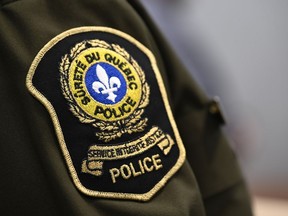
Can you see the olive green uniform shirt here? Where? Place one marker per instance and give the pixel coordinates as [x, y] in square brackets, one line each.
[34, 178]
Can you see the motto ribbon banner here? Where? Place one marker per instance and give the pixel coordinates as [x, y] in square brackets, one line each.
[98, 153]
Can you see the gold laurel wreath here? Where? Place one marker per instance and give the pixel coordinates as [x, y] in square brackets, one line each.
[109, 130]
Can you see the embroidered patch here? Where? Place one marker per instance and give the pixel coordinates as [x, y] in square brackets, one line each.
[110, 110]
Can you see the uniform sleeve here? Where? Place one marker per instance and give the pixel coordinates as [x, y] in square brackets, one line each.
[34, 176]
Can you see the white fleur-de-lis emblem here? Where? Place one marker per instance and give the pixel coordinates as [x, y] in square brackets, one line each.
[106, 85]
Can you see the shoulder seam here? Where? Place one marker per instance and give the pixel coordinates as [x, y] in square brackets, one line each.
[6, 2]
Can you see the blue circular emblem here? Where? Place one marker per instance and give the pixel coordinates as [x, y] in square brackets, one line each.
[105, 83]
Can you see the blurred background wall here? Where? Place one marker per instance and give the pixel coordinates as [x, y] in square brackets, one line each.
[238, 50]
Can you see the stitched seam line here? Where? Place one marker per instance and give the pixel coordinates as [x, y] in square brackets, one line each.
[3, 3]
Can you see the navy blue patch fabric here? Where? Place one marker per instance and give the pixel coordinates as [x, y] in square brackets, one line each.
[134, 168]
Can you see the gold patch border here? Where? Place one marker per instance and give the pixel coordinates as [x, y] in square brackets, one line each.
[29, 84]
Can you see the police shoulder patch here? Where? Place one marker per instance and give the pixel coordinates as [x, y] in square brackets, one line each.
[110, 110]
